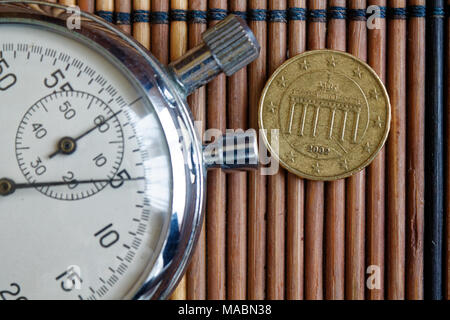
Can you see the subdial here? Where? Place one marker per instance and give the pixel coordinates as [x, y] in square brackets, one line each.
[70, 136]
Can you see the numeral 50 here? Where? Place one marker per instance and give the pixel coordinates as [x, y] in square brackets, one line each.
[6, 80]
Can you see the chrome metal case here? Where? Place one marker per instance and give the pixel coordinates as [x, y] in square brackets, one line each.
[188, 168]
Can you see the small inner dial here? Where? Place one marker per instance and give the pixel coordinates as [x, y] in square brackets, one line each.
[70, 136]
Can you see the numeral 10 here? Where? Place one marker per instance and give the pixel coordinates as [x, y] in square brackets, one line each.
[108, 237]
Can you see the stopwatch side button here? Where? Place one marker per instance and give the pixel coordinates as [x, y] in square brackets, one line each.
[232, 44]
[233, 152]
[228, 46]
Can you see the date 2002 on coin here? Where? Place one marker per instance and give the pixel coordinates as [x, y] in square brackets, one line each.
[325, 115]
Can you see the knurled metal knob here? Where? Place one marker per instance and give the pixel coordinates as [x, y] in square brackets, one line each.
[228, 46]
[232, 44]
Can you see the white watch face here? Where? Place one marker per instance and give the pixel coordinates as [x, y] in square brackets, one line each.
[91, 170]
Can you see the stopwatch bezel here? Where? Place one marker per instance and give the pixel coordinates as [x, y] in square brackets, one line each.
[147, 74]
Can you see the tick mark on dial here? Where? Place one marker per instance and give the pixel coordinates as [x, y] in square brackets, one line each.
[135, 101]
[90, 103]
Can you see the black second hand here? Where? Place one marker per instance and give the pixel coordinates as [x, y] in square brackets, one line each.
[63, 183]
[99, 125]
[86, 133]
[8, 186]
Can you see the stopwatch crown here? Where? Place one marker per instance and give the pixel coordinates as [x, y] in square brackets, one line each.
[228, 46]
[232, 44]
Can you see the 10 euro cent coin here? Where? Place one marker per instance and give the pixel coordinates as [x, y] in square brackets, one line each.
[325, 115]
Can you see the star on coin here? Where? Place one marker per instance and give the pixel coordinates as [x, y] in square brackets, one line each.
[291, 156]
[344, 164]
[332, 62]
[272, 107]
[374, 94]
[316, 168]
[368, 148]
[304, 65]
[282, 82]
[357, 72]
[378, 122]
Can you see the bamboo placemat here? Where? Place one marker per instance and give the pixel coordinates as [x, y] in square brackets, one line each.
[280, 237]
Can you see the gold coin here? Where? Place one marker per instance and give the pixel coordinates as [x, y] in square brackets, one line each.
[325, 115]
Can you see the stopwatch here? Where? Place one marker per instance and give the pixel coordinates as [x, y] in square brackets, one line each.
[102, 171]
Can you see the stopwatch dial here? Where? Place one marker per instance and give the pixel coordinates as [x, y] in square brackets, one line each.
[89, 161]
[64, 130]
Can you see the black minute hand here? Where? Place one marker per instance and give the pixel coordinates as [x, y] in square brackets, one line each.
[8, 186]
[72, 141]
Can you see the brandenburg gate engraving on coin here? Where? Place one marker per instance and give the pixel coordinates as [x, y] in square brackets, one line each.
[325, 114]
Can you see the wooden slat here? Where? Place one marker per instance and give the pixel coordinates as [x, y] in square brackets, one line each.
[355, 228]
[87, 5]
[257, 182]
[237, 185]
[415, 170]
[123, 7]
[196, 274]
[68, 2]
[295, 186]
[216, 201]
[447, 164]
[178, 31]
[396, 85]
[104, 7]
[314, 203]
[141, 30]
[435, 151]
[376, 172]
[276, 183]
[335, 190]
[178, 47]
[160, 32]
